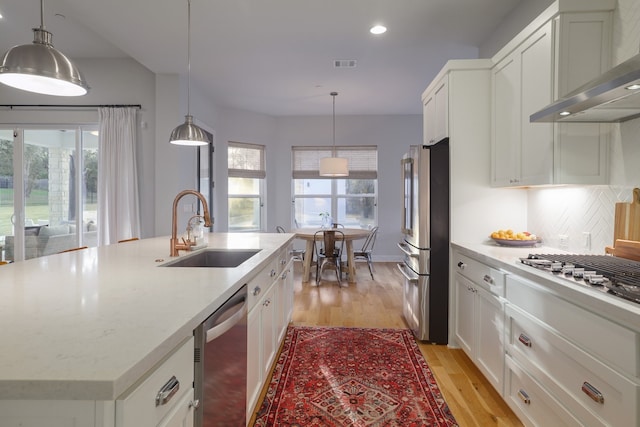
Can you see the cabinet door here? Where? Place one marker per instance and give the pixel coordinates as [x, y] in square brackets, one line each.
[464, 314]
[254, 359]
[536, 139]
[429, 117]
[505, 141]
[441, 119]
[269, 307]
[181, 415]
[490, 337]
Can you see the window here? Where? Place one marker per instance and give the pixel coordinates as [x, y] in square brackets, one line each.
[349, 201]
[246, 186]
[48, 190]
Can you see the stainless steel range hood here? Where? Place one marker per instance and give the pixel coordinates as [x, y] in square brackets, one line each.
[606, 99]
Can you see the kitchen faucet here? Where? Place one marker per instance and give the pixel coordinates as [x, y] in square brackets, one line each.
[186, 244]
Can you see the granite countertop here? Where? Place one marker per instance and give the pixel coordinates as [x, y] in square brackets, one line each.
[86, 325]
[626, 313]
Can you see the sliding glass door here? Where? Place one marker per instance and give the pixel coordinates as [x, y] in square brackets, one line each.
[48, 200]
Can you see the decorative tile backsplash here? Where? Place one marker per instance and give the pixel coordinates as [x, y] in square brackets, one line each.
[571, 211]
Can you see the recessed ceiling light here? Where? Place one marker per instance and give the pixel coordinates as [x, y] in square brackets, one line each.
[633, 87]
[565, 113]
[378, 29]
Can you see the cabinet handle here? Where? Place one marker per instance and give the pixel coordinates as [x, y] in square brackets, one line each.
[266, 303]
[273, 273]
[592, 392]
[488, 279]
[462, 265]
[524, 396]
[195, 404]
[256, 291]
[283, 261]
[167, 391]
[284, 274]
[525, 340]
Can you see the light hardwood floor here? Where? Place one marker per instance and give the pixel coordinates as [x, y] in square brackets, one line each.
[378, 304]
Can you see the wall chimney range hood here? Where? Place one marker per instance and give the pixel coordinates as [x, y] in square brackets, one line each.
[612, 97]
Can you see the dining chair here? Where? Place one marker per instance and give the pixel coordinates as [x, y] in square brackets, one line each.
[367, 249]
[329, 246]
[280, 229]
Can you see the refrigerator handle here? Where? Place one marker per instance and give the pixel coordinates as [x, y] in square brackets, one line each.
[407, 251]
[403, 270]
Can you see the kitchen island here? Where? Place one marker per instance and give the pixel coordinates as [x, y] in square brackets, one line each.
[89, 325]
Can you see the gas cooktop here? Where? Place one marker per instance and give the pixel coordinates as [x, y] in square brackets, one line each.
[613, 275]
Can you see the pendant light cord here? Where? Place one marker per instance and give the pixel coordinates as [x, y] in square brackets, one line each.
[42, 14]
[188, 57]
[334, 94]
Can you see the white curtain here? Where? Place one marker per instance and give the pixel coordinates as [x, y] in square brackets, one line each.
[118, 206]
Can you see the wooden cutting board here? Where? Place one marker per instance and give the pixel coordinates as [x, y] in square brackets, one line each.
[627, 219]
[625, 249]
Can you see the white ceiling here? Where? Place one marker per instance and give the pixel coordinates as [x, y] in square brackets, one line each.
[273, 56]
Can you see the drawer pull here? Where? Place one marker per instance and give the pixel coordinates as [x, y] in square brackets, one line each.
[592, 392]
[195, 404]
[461, 265]
[524, 396]
[256, 291]
[525, 340]
[272, 273]
[167, 391]
[488, 279]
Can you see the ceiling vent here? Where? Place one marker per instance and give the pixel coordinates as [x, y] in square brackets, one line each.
[345, 63]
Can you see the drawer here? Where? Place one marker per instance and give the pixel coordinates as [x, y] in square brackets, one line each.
[592, 391]
[258, 286]
[284, 255]
[607, 341]
[139, 406]
[530, 402]
[480, 274]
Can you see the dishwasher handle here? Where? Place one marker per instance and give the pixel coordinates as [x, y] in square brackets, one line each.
[224, 326]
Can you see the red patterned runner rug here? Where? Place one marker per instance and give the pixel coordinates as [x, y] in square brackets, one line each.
[336, 377]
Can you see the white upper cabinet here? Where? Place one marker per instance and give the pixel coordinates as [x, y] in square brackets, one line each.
[436, 113]
[554, 55]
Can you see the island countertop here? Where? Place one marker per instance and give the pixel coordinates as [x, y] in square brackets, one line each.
[86, 325]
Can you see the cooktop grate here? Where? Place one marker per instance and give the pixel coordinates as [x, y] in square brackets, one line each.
[623, 274]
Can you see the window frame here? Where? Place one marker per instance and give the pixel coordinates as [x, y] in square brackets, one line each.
[258, 172]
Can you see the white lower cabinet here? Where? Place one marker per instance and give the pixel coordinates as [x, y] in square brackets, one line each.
[583, 362]
[266, 322]
[479, 316]
[182, 413]
[161, 394]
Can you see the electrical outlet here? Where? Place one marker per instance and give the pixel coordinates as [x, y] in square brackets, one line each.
[563, 241]
[586, 240]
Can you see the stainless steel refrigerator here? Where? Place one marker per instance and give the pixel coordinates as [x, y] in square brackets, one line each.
[425, 226]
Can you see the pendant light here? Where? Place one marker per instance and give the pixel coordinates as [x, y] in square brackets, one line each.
[188, 133]
[41, 68]
[334, 166]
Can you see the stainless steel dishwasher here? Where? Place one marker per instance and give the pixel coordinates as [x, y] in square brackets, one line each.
[221, 365]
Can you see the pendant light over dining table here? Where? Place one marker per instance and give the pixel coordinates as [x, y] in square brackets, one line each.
[39, 67]
[188, 133]
[334, 166]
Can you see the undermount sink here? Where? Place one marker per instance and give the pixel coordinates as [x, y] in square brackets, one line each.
[214, 258]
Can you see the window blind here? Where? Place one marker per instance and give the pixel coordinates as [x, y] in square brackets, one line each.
[246, 160]
[363, 161]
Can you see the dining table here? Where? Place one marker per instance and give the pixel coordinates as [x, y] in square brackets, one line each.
[309, 236]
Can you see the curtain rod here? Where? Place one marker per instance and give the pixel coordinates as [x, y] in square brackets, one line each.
[11, 106]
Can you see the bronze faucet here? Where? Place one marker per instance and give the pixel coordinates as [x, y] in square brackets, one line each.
[186, 244]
